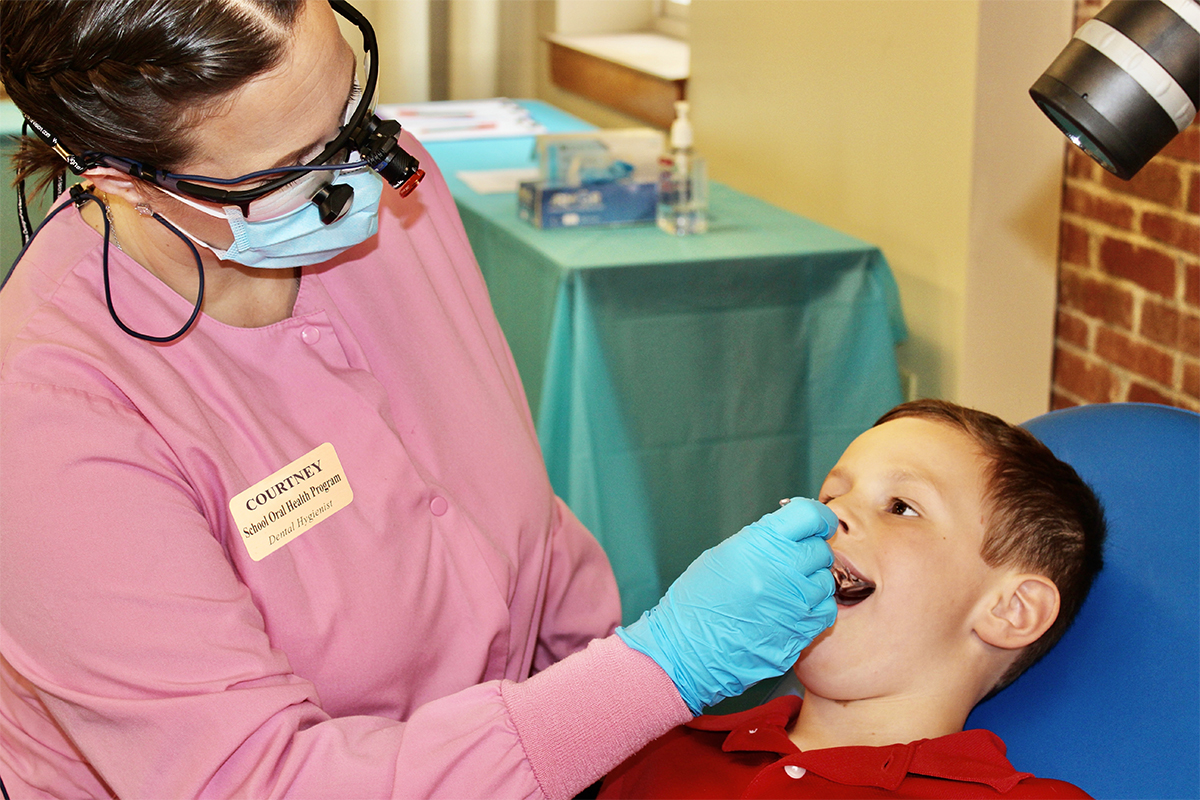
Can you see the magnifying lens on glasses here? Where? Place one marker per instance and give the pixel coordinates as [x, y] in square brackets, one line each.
[284, 189]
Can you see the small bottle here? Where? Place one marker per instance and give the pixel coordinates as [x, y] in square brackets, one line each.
[683, 184]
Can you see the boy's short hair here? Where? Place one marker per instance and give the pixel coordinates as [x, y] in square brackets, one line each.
[1042, 517]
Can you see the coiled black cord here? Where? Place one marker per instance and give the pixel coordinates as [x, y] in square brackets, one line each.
[80, 196]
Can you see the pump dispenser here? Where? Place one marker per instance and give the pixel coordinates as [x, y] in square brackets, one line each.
[681, 130]
[683, 185]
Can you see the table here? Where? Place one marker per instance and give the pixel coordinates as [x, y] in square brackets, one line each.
[682, 385]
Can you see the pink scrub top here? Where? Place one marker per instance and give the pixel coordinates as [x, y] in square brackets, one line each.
[380, 648]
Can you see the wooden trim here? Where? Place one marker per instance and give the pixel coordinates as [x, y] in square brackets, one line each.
[638, 94]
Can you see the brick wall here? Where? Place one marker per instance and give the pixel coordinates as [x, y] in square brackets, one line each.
[1128, 325]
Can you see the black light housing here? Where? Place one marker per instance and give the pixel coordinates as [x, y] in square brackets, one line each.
[1127, 83]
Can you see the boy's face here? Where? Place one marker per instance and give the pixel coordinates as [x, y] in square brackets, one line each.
[909, 494]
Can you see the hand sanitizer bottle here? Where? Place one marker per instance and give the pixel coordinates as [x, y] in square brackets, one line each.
[683, 185]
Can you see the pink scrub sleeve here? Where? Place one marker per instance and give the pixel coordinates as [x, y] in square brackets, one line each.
[572, 594]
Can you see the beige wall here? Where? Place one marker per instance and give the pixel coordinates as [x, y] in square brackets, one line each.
[906, 123]
[402, 29]
[1016, 189]
[491, 47]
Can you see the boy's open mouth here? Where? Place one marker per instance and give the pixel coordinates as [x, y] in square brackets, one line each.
[852, 588]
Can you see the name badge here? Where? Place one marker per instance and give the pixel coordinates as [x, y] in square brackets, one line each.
[289, 503]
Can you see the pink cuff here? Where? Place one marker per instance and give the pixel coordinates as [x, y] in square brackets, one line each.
[589, 712]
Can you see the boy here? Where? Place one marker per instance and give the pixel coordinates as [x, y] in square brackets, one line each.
[964, 551]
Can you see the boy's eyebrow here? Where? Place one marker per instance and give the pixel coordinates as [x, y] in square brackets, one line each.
[897, 475]
[902, 475]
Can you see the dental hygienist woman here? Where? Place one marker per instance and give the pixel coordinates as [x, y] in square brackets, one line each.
[274, 521]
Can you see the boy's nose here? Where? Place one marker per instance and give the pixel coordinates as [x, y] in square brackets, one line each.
[843, 522]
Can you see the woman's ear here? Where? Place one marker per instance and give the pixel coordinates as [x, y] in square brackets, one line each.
[115, 183]
[1027, 607]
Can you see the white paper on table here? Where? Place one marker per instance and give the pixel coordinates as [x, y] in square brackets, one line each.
[495, 181]
[453, 120]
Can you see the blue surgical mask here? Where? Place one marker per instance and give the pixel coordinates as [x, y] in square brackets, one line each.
[299, 238]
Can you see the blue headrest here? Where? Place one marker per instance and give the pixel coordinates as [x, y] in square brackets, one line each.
[1115, 707]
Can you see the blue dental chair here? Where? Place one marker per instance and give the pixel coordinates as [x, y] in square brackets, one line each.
[1115, 707]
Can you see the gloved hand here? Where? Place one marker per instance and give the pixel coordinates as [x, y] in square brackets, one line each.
[744, 609]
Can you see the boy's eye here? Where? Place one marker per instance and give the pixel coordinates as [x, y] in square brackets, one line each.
[901, 508]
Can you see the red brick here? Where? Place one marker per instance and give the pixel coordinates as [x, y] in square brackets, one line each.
[1191, 379]
[1079, 164]
[1160, 181]
[1193, 201]
[1191, 284]
[1144, 359]
[1095, 298]
[1170, 230]
[1160, 323]
[1185, 146]
[1090, 381]
[1189, 335]
[1058, 401]
[1116, 212]
[1074, 244]
[1151, 269]
[1071, 329]
[1141, 393]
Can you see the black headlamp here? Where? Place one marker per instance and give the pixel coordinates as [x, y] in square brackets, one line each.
[374, 139]
[1127, 83]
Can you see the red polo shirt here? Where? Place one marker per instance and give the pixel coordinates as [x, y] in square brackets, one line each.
[750, 755]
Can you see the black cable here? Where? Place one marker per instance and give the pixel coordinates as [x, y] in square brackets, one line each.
[3, 790]
[79, 197]
[59, 186]
[27, 231]
[83, 196]
[23, 214]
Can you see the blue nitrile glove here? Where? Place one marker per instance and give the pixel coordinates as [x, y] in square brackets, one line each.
[744, 609]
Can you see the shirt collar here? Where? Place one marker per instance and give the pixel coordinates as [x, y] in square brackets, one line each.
[976, 756]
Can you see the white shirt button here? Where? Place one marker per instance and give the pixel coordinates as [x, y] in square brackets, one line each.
[311, 335]
[794, 771]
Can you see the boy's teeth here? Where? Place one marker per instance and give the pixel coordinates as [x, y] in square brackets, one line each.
[851, 589]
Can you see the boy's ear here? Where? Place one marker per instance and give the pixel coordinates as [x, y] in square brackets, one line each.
[1027, 607]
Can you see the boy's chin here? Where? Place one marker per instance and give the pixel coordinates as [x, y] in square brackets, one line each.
[826, 664]
[819, 682]
[815, 655]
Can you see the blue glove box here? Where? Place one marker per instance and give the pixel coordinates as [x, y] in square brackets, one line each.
[612, 203]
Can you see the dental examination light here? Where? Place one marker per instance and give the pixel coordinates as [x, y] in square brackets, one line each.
[1127, 83]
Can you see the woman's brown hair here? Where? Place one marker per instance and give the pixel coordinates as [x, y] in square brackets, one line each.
[130, 77]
